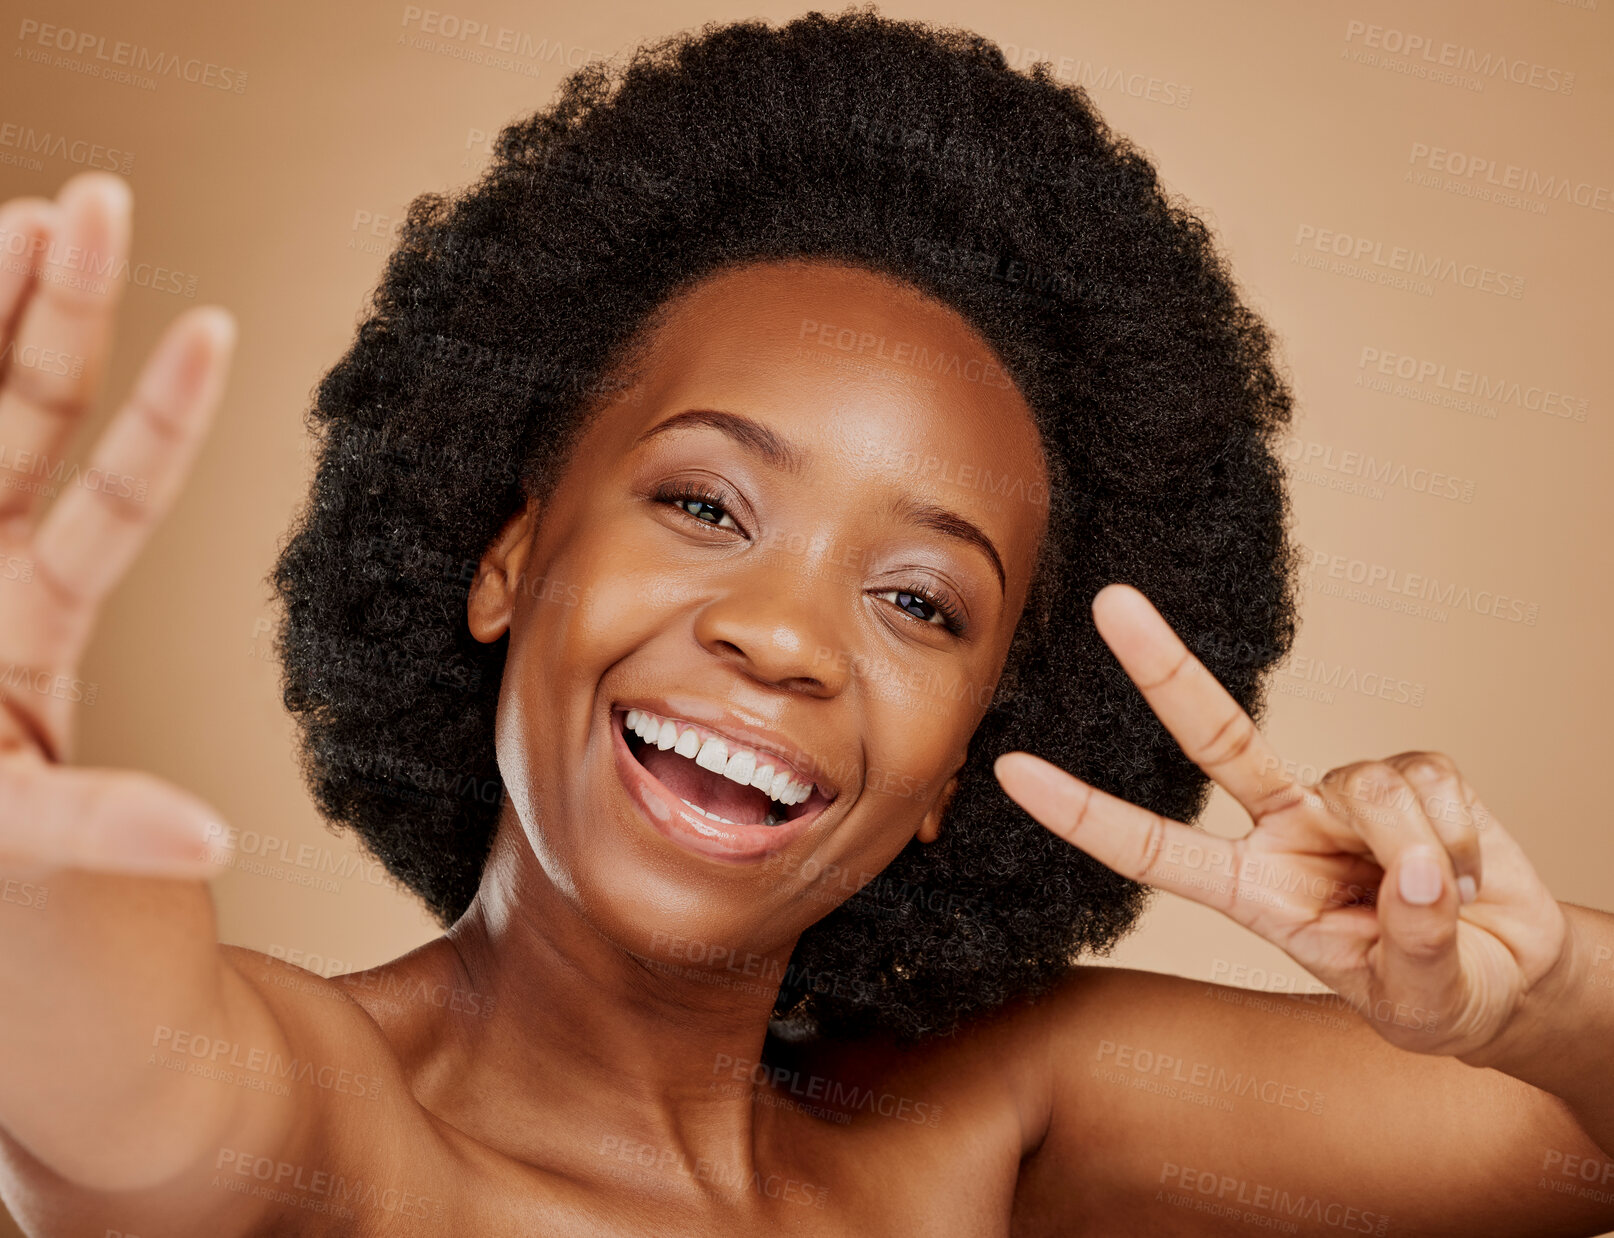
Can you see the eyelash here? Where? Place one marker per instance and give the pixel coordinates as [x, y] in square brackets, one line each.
[686, 493]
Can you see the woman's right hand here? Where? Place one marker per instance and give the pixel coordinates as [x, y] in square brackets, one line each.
[61, 264]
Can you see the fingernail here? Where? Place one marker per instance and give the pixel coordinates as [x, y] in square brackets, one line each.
[221, 323]
[1467, 888]
[1420, 876]
[1045, 792]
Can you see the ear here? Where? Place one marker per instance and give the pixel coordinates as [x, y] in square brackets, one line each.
[492, 599]
[930, 828]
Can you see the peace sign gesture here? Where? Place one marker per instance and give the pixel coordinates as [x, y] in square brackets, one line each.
[1388, 880]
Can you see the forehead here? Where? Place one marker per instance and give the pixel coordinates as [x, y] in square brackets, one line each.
[889, 400]
[856, 358]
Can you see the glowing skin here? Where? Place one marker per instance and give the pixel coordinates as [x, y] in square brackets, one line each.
[579, 1054]
[767, 612]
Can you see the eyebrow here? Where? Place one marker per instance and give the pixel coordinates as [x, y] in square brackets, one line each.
[786, 457]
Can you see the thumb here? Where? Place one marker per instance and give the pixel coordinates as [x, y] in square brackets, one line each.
[1419, 965]
[54, 816]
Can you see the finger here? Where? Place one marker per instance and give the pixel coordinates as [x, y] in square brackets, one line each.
[1418, 960]
[1416, 955]
[1446, 801]
[1207, 723]
[68, 315]
[1131, 840]
[1370, 807]
[26, 226]
[54, 817]
[90, 536]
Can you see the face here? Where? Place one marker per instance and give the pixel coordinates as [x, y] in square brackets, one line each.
[805, 534]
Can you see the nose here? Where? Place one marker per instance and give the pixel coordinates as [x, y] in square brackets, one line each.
[777, 622]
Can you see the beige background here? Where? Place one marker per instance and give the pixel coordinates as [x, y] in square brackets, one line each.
[277, 200]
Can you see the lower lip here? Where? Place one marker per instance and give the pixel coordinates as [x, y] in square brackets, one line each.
[677, 822]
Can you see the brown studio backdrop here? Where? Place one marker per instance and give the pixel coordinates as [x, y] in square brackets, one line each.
[1287, 126]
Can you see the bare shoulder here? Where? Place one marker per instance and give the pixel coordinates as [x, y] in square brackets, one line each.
[368, 1157]
[394, 1009]
[995, 1067]
[327, 1138]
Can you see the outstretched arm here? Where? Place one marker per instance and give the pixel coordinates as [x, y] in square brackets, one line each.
[108, 944]
[1392, 883]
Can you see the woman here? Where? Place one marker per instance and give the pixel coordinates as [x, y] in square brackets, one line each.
[716, 495]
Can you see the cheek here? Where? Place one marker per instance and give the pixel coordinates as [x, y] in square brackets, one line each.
[607, 593]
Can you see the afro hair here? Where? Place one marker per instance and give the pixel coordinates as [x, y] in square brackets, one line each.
[915, 152]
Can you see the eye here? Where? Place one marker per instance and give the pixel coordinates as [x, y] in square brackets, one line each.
[700, 504]
[939, 606]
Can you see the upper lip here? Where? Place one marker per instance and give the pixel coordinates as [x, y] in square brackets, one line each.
[804, 764]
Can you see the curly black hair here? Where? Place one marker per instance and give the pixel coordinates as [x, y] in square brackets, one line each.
[502, 323]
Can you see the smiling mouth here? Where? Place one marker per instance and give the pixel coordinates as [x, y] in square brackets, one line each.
[691, 768]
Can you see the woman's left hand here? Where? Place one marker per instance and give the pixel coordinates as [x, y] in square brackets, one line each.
[1388, 880]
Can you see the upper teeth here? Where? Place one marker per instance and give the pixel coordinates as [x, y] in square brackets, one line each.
[740, 765]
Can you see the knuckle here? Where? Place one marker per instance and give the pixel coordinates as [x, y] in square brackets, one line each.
[162, 423]
[1231, 740]
[1376, 791]
[1368, 782]
[1428, 942]
[41, 390]
[126, 510]
[1426, 766]
[1153, 844]
[1437, 790]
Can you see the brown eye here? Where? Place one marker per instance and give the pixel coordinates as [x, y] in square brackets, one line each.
[939, 606]
[699, 505]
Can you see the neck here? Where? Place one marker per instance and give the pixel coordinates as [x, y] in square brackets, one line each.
[586, 1038]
